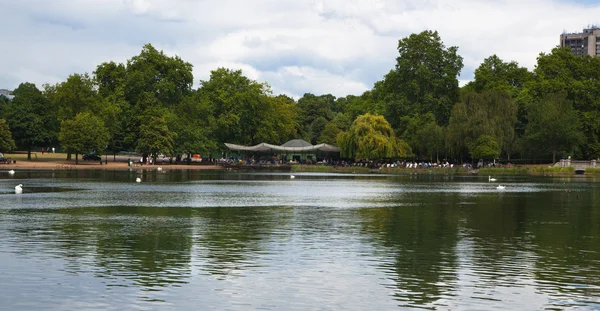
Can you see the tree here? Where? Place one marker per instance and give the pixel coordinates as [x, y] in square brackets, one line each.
[492, 113]
[194, 125]
[554, 125]
[484, 147]
[316, 128]
[84, 133]
[240, 106]
[339, 124]
[169, 79]
[495, 74]
[311, 108]
[155, 136]
[425, 79]
[371, 137]
[562, 72]
[6, 141]
[30, 118]
[279, 120]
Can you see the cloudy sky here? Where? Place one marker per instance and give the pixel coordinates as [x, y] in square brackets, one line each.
[297, 46]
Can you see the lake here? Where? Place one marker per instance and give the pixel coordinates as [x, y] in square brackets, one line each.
[207, 240]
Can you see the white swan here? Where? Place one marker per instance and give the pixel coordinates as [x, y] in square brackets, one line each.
[292, 176]
[11, 172]
[19, 188]
[491, 179]
[500, 187]
[138, 180]
[159, 168]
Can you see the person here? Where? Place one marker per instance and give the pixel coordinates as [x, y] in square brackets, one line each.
[42, 150]
[52, 149]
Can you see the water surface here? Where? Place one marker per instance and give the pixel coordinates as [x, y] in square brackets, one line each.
[232, 241]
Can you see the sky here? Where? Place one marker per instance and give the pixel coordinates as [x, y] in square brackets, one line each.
[339, 47]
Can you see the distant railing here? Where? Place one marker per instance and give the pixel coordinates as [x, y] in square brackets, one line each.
[577, 164]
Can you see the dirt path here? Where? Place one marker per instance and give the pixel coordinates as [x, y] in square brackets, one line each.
[83, 165]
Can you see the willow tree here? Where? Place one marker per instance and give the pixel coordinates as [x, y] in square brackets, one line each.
[371, 137]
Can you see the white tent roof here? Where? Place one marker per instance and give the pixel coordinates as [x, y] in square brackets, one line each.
[296, 145]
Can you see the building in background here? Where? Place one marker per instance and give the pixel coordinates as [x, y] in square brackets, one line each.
[586, 42]
[6, 93]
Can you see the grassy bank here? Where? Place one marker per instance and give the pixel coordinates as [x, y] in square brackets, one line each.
[521, 170]
[363, 170]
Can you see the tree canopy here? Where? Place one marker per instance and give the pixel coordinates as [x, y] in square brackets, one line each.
[371, 137]
[148, 104]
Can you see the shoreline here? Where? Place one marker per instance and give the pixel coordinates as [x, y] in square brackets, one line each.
[84, 165]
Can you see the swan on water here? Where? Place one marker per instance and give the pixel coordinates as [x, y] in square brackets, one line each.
[19, 188]
[491, 179]
[159, 169]
[500, 187]
[11, 172]
[292, 176]
[138, 180]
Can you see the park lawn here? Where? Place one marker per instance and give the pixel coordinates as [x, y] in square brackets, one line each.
[38, 156]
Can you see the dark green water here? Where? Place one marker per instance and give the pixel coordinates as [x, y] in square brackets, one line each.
[190, 240]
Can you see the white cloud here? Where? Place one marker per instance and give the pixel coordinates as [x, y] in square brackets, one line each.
[319, 46]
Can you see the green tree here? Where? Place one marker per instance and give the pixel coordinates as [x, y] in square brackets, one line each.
[339, 124]
[495, 74]
[554, 125]
[239, 106]
[311, 108]
[169, 79]
[425, 79]
[484, 147]
[562, 72]
[316, 129]
[193, 122]
[6, 141]
[30, 118]
[155, 136]
[371, 137]
[492, 113]
[84, 133]
[279, 120]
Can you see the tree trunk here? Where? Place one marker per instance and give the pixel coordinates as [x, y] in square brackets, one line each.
[76, 158]
[29, 153]
[553, 156]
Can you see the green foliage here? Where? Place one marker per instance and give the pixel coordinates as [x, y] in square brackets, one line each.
[6, 141]
[492, 113]
[239, 106]
[339, 124]
[169, 79]
[311, 108]
[577, 77]
[484, 147]
[316, 128]
[425, 79]
[155, 136]
[495, 74]
[372, 137]
[30, 118]
[84, 133]
[554, 125]
[279, 121]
